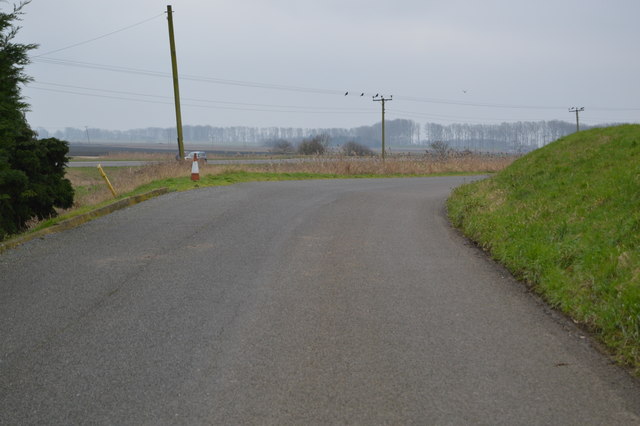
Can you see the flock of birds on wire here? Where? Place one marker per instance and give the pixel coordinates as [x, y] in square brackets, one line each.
[377, 95]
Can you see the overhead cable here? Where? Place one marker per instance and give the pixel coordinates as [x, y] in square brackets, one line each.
[129, 70]
[282, 87]
[99, 37]
[291, 111]
[120, 92]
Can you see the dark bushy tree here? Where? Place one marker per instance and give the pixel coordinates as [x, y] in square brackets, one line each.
[316, 145]
[354, 148]
[32, 179]
[282, 146]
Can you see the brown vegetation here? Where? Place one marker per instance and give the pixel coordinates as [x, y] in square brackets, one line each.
[137, 156]
[90, 188]
[409, 165]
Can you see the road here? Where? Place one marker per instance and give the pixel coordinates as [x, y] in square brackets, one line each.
[315, 302]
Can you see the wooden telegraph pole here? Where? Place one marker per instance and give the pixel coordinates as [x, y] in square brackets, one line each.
[176, 88]
[577, 111]
[382, 99]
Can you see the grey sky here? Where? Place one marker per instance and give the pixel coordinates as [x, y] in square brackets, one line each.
[537, 57]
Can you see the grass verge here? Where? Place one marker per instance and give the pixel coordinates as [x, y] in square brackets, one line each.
[566, 219]
[90, 188]
[92, 195]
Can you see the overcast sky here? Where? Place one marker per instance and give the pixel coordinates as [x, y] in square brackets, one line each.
[288, 63]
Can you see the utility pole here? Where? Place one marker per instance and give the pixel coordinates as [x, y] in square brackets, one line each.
[87, 129]
[382, 99]
[577, 111]
[176, 88]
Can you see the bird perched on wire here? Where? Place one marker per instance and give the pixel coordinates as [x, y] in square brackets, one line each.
[362, 94]
[346, 93]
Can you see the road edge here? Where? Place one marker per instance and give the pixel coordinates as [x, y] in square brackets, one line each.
[577, 330]
[83, 218]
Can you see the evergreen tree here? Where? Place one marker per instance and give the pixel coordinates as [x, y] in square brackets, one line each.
[32, 179]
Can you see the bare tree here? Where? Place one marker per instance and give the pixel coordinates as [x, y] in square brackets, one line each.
[440, 149]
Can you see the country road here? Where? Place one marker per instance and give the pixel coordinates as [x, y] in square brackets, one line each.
[314, 302]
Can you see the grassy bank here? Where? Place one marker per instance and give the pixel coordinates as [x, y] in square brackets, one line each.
[566, 219]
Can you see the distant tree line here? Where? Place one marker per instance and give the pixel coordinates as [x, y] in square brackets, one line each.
[506, 137]
[317, 145]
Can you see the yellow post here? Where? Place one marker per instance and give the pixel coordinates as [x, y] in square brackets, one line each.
[106, 179]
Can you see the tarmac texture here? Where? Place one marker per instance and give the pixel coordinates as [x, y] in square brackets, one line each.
[314, 302]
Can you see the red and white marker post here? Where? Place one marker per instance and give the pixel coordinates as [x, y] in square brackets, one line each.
[195, 169]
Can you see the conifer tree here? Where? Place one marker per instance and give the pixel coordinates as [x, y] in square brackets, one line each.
[32, 178]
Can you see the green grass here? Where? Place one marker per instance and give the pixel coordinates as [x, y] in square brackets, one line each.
[230, 178]
[566, 219]
[185, 183]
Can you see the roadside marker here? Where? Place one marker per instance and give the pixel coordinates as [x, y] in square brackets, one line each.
[106, 179]
[195, 170]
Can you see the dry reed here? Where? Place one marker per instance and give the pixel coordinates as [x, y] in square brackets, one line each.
[138, 156]
[90, 188]
[397, 165]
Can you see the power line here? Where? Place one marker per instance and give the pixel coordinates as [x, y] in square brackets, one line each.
[416, 114]
[273, 86]
[504, 106]
[120, 92]
[473, 104]
[290, 111]
[99, 37]
[457, 118]
[577, 111]
[382, 100]
[214, 80]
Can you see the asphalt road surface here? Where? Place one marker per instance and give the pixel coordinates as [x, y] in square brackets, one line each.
[316, 302]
